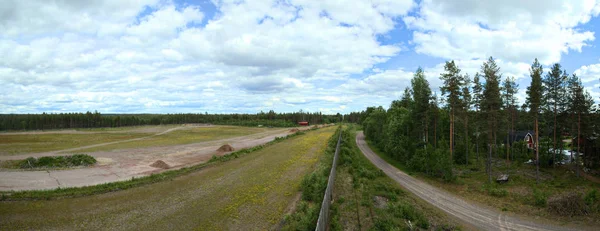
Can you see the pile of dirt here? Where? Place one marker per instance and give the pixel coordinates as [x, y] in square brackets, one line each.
[225, 148]
[568, 205]
[294, 130]
[380, 202]
[160, 164]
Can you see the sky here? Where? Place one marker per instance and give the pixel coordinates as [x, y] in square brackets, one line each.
[236, 56]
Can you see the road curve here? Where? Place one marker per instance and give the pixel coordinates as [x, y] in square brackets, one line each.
[476, 217]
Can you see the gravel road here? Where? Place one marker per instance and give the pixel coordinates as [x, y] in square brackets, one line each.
[473, 216]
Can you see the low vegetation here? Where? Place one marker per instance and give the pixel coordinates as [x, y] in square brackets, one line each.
[186, 135]
[134, 182]
[15, 144]
[252, 191]
[560, 196]
[51, 162]
[313, 188]
[366, 199]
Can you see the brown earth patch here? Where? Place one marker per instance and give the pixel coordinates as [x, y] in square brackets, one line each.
[294, 130]
[380, 202]
[160, 164]
[225, 148]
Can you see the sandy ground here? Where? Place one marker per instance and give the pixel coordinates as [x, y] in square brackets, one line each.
[137, 129]
[119, 165]
[474, 216]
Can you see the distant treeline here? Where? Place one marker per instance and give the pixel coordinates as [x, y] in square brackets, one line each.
[95, 119]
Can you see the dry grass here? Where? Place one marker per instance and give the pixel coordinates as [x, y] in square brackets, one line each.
[251, 192]
[184, 136]
[34, 143]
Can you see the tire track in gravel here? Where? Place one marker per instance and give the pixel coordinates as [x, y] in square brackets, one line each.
[473, 215]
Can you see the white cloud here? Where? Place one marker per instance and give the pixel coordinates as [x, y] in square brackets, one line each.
[589, 73]
[513, 30]
[156, 56]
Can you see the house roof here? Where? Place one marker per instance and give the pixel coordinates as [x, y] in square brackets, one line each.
[519, 136]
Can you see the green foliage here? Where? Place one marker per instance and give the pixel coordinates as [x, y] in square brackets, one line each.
[539, 198]
[313, 187]
[58, 161]
[408, 212]
[495, 191]
[96, 120]
[592, 197]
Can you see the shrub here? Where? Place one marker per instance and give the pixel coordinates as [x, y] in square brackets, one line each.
[592, 197]
[498, 192]
[409, 212]
[58, 161]
[30, 162]
[568, 205]
[539, 198]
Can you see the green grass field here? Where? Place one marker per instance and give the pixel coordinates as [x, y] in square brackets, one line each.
[250, 192]
[15, 144]
[184, 136]
[33, 143]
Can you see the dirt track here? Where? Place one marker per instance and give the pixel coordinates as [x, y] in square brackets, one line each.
[474, 216]
[118, 165]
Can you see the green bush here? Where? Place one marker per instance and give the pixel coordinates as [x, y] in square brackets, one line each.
[409, 212]
[58, 161]
[30, 162]
[498, 192]
[591, 197]
[539, 198]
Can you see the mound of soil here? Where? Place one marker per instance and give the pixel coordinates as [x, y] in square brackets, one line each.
[294, 130]
[380, 202]
[225, 148]
[160, 164]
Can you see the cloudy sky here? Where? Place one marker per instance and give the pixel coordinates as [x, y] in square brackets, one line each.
[221, 56]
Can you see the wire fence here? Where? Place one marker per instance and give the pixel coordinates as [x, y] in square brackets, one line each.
[324, 213]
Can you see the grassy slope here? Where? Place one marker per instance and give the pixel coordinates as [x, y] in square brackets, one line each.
[184, 136]
[248, 192]
[359, 181]
[471, 184]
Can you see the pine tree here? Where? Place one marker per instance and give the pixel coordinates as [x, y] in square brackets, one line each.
[555, 84]
[491, 101]
[466, 100]
[477, 97]
[406, 100]
[509, 100]
[452, 88]
[580, 105]
[535, 92]
[420, 109]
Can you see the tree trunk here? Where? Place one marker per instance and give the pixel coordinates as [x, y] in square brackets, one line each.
[554, 143]
[467, 139]
[537, 152]
[435, 132]
[489, 163]
[426, 130]
[451, 132]
[578, 140]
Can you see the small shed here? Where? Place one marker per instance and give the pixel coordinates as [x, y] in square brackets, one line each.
[303, 123]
